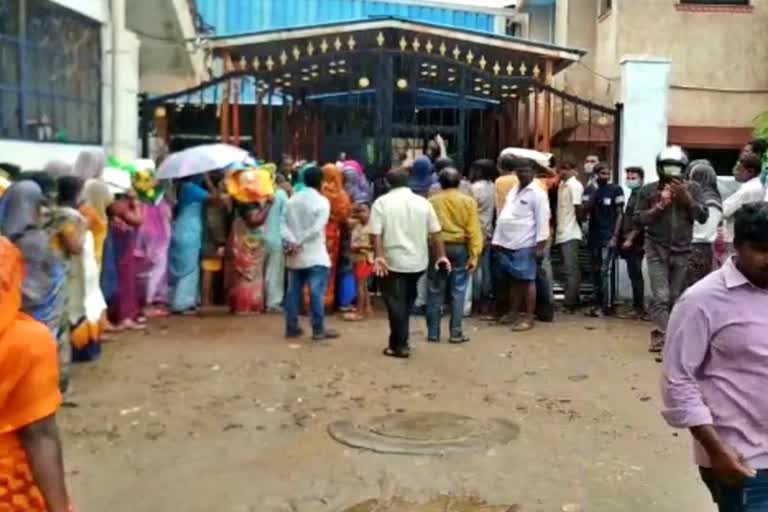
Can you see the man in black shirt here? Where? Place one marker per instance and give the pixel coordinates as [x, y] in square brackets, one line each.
[605, 206]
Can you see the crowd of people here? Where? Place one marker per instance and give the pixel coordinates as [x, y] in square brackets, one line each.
[101, 257]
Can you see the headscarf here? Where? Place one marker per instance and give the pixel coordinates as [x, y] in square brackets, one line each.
[333, 189]
[97, 195]
[702, 172]
[11, 272]
[57, 168]
[23, 202]
[90, 164]
[422, 177]
[44, 180]
[355, 183]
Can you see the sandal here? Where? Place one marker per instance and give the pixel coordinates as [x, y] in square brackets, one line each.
[399, 355]
[522, 326]
[352, 316]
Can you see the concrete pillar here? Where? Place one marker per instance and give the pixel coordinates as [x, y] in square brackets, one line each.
[645, 93]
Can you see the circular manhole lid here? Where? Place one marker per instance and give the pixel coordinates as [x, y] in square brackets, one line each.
[426, 426]
[424, 433]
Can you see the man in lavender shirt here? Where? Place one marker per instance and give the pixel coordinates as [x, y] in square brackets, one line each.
[715, 379]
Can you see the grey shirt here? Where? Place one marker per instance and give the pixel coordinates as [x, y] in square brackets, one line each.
[484, 193]
[672, 227]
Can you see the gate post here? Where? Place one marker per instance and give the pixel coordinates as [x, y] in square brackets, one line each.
[645, 93]
[385, 92]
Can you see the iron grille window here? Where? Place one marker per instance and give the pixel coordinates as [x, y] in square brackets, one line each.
[715, 2]
[50, 73]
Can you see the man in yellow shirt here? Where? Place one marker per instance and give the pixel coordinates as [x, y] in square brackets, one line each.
[463, 239]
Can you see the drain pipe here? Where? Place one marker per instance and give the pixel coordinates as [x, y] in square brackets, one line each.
[118, 25]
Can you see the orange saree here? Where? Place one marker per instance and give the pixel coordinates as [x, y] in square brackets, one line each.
[29, 385]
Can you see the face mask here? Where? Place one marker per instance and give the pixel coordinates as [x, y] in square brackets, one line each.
[633, 184]
[589, 168]
[602, 181]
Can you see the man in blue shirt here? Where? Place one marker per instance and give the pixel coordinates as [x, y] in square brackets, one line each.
[605, 205]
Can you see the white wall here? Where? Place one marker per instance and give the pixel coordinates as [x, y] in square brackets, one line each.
[32, 156]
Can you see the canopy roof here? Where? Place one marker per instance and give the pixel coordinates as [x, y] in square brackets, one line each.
[334, 57]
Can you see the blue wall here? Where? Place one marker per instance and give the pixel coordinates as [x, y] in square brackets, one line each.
[231, 17]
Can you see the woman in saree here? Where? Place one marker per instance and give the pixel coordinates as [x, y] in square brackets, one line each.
[95, 200]
[31, 468]
[153, 241]
[186, 244]
[85, 302]
[247, 255]
[125, 218]
[341, 208]
[44, 294]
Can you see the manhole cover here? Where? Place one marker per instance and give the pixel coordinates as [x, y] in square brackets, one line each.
[426, 426]
[424, 433]
[441, 504]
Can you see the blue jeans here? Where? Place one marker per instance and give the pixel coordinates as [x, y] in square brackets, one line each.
[751, 496]
[317, 279]
[455, 281]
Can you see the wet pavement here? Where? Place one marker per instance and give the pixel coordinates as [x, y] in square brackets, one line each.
[222, 414]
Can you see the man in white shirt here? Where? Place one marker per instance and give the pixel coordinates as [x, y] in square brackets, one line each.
[307, 260]
[747, 172]
[568, 235]
[401, 224]
[519, 240]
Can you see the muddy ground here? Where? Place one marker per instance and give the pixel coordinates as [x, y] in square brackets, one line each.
[221, 414]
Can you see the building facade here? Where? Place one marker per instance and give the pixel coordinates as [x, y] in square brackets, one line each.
[718, 82]
[70, 73]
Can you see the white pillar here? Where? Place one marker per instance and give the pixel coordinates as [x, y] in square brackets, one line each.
[645, 94]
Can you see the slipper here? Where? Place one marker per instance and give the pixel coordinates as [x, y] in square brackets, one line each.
[522, 326]
[399, 355]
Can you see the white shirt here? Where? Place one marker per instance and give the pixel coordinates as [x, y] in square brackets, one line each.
[524, 220]
[569, 196]
[751, 191]
[404, 221]
[306, 215]
[707, 232]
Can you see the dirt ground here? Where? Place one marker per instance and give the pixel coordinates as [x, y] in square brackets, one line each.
[222, 414]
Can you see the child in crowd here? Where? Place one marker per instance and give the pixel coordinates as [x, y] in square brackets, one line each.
[362, 261]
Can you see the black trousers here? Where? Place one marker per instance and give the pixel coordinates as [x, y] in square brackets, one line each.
[635, 271]
[399, 290]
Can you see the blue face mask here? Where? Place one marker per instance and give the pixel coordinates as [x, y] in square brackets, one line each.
[633, 184]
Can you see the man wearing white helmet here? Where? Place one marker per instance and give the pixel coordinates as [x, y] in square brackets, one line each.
[668, 208]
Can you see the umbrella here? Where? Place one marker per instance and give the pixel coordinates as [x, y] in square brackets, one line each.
[199, 160]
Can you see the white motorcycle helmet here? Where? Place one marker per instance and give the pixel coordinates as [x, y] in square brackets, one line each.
[672, 162]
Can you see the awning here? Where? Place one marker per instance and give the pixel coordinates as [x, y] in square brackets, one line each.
[710, 137]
